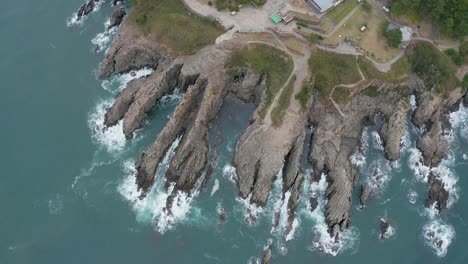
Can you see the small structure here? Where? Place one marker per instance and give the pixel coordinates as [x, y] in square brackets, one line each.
[323, 6]
[363, 28]
[275, 18]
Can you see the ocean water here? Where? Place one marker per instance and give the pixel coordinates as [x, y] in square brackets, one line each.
[68, 194]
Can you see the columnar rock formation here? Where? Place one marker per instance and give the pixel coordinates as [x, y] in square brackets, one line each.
[263, 150]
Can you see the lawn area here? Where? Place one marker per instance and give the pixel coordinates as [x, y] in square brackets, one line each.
[328, 70]
[173, 26]
[400, 69]
[372, 40]
[341, 95]
[264, 59]
[277, 114]
[341, 10]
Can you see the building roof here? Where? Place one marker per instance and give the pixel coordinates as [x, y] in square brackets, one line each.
[276, 18]
[322, 5]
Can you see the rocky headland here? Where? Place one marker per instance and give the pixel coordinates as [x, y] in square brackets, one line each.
[206, 77]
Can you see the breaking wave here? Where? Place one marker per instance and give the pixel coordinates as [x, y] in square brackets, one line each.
[437, 234]
[117, 83]
[153, 208]
[323, 241]
[102, 40]
[112, 138]
[73, 19]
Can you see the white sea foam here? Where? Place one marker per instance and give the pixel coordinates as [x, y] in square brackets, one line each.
[112, 138]
[117, 83]
[153, 207]
[413, 104]
[438, 235]
[459, 122]
[442, 172]
[323, 241]
[379, 176]
[215, 187]
[412, 197]
[358, 158]
[55, 205]
[377, 141]
[229, 172]
[102, 40]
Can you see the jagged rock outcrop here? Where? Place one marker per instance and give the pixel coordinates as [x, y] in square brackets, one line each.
[117, 17]
[365, 192]
[132, 50]
[393, 129]
[437, 194]
[86, 8]
[433, 145]
[267, 256]
[192, 118]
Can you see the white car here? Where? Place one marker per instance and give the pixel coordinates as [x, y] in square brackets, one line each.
[386, 9]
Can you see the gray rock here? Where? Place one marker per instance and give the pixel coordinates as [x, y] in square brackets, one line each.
[365, 191]
[267, 256]
[393, 129]
[437, 194]
[433, 145]
[86, 8]
[117, 17]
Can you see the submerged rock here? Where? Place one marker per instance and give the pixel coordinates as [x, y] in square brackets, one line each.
[384, 228]
[267, 256]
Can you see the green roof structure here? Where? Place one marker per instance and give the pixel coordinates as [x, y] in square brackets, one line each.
[276, 18]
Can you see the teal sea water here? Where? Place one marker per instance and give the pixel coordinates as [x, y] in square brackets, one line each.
[68, 196]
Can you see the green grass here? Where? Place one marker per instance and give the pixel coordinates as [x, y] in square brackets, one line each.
[399, 70]
[303, 95]
[342, 10]
[434, 67]
[173, 26]
[277, 114]
[233, 5]
[371, 91]
[341, 95]
[263, 59]
[330, 69]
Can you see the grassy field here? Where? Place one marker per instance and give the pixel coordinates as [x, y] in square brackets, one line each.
[372, 40]
[328, 70]
[264, 59]
[340, 11]
[277, 114]
[400, 69]
[173, 26]
[341, 95]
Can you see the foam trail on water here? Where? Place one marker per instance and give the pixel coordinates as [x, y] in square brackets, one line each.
[112, 138]
[153, 207]
[117, 83]
[215, 187]
[229, 172]
[358, 158]
[323, 241]
[102, 40]
[437, 234]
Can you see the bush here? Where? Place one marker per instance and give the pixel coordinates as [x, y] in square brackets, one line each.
[314, 38]
[394, 37]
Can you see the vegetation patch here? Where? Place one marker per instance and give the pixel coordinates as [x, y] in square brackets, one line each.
[400, 69]
[330, 69]
[459, 57]
[393, 36]
[314, 38]
[233, 5]
[173, 26]
[371, 91]
[434, 67]
[341, 95]
[277, 113]
[267, 60]
[450, 15]
[303, 95]
[342, 10]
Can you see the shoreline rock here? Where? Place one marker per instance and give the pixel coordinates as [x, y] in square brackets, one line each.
[117, 17]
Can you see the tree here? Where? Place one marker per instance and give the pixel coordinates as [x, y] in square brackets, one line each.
[394, 37]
